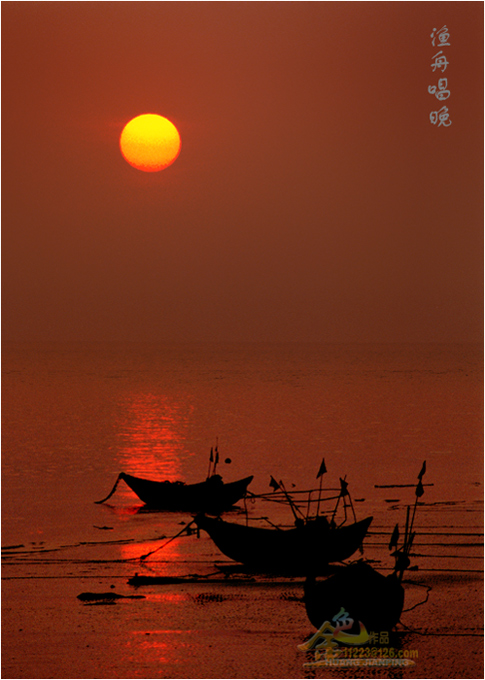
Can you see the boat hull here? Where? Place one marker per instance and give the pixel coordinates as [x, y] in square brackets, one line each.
[306, 549]
[365, 594]
[211, 496]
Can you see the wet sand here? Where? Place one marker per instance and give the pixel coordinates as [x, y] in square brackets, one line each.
[230, 630]
[77, 417]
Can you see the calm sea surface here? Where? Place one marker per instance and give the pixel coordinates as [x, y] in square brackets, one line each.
[75, 415]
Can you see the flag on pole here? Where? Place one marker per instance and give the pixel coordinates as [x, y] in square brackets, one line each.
[419, 489]
[343, 487]
[423, 470]
[322, 469]
[211, 457]
[274, 484]
[394, 538]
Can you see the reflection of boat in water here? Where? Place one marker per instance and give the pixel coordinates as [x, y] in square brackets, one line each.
[212, 496]
[308, 547]
[365, 594]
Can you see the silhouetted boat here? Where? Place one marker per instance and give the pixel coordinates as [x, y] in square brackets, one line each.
[212, 496]
[365, 594]
[306, 548]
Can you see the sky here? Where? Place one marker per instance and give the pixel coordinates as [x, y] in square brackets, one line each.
[313, 199]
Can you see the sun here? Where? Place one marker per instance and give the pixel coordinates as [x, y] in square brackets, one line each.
[150, 142]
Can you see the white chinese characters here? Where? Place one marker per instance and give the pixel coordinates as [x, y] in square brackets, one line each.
[442, 117]
[440, 38]
[440, 91]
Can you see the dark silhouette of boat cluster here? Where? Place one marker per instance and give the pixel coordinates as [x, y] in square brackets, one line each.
[315, 546]
[373, 599]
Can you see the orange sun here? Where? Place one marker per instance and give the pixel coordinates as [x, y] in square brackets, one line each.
[150, 142]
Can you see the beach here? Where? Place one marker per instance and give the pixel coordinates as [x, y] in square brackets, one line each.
[65, 409]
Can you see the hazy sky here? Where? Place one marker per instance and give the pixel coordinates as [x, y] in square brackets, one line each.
[313, 199]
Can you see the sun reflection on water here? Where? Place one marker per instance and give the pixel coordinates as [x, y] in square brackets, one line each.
[166, 645]
[166, 553]
[152, 437]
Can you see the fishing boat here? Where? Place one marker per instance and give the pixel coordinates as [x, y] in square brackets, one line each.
[308, 547]
[365, 594]
[212, 496]
[361, 591]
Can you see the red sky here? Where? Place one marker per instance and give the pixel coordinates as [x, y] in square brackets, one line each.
[312, 200]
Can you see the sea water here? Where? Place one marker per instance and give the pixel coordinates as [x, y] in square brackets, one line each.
[75, 415]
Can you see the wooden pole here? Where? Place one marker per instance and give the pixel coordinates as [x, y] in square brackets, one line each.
[293, 507]
[319, 495]
[211, 458]
[308, 504]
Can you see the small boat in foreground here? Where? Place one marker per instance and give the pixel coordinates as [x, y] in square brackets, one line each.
[307, 548]
[366, 595]
[212, 496]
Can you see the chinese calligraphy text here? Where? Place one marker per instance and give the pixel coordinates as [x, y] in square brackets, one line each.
[439, 64]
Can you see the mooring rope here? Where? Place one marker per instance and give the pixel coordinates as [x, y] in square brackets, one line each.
[143, 557]
[112, 490]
